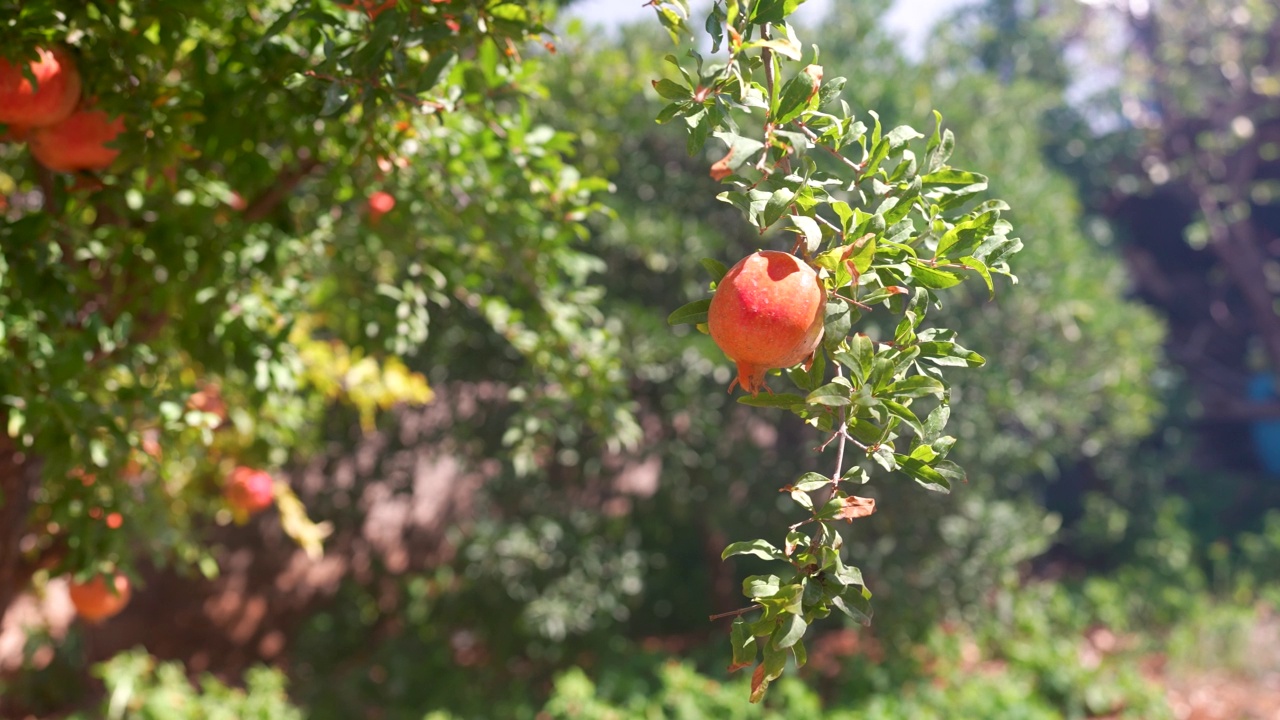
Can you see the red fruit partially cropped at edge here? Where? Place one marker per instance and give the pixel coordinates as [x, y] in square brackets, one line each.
[52, 99]
[250, 490]
[78, 142]
[372, 7]
[767, 313]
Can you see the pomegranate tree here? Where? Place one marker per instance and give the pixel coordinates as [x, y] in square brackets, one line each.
[767, 314]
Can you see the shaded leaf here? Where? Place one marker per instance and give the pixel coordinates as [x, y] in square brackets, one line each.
[790, 631]
[691, 313]
[759, 548]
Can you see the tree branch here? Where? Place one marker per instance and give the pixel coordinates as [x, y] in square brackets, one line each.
[264, 204]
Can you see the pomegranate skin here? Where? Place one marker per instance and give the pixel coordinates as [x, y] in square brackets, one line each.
[380, 203]
[95, 601]
[767, 313]
[78, 142]
[249, 490]
[52, 100]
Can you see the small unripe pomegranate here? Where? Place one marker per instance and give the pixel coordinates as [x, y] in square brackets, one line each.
[96, 600]
[767, 313]
[249, 490]
[77, 143]
[53, 98]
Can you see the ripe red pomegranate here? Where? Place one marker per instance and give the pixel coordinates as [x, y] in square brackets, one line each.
[250, 491]
[53, 98]
[96, 601]
[77, 143]
[767, 313]
[380, 203]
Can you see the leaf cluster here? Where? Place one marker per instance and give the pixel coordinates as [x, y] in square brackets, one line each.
[889, 224]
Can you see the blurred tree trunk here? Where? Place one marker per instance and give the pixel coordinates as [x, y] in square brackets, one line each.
[16, 484]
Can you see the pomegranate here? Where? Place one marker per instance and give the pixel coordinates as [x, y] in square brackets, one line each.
[53, 98]
[96, 601]
[250, 491]
[77, 143]
[767, 313]
[380, 203]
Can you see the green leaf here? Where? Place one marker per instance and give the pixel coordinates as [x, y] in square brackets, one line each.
[811, 481]
[951, 471]
[967, 235]
[811, 378]
[848, 575]
[335, 99]
[837, 321]
[853, 603]
[801, 655]
[715, 27]
[740, 149]
[716, 268]
[864, 254]
[856, 475]
[761, 586]
[786, 401]
[926, 476]
[691, 313]
[832, 395]
[933, 278]
[871, 163]
[798, 95]
[802, 499]
[777, 206]
[759, 548]
[668, 113]
[904, 413]
[917, 386]
[790, 631]
[773, 11]
[883, 294]
[700, 125]
[744, 645]
[981, 268]
[950, 354]
[901, 135]
[845, 214]
[830, 90]
[810, 230]
[775, 658]
[859, 357]
[936, 423]
[953, 178]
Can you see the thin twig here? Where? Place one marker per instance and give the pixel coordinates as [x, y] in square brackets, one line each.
[813, 137]
[735, 613]
[767, 56]
[843, 436]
